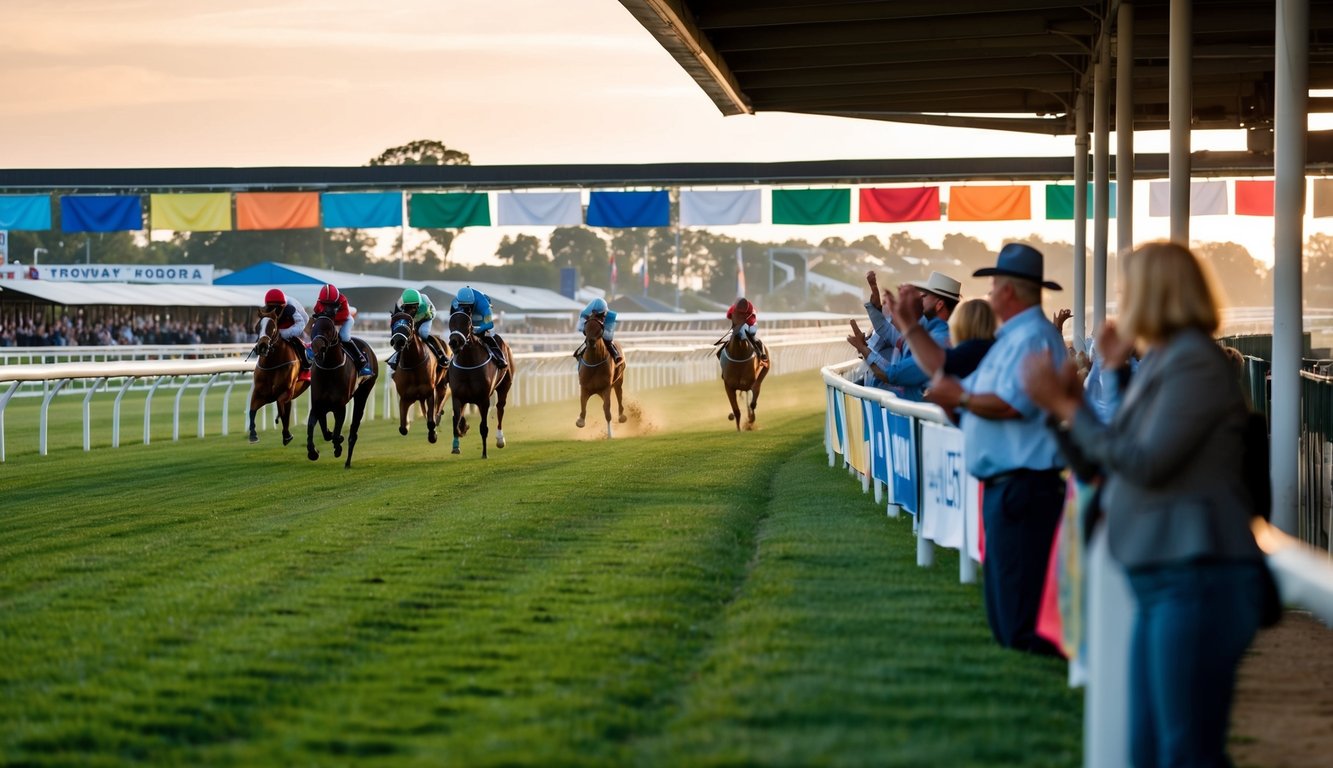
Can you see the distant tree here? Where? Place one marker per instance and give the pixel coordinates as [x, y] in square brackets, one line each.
[426, 152]
[584, 250]
[1245, 280]
[524, 249]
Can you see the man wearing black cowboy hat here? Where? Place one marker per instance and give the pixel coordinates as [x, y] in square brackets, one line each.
[1008, 447]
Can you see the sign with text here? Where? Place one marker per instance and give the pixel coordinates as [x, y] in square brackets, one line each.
[950, 494]
[195, 274]
[4, 247]
[901, 450]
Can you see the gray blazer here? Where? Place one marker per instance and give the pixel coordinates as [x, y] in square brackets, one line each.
[1172, 457]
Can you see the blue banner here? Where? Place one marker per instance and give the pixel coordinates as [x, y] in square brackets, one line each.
[902, 450]
[629, 209]
[27, 212]
[837, 420]
[361, 210]
[879, 443]
[101, 213]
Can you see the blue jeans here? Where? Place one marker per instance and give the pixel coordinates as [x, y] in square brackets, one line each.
[1194, 622]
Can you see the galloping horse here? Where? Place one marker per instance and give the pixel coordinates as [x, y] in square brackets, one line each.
[742, 370]
[332, 383]
[473, 376]
[277, 377]
[598, 374]
[418, 378]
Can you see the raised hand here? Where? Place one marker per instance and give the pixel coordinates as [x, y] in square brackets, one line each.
[1114, 348]
[874, 291]
[1061, 317]
[903, 308]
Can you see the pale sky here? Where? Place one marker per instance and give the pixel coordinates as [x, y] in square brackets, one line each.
[197, 83]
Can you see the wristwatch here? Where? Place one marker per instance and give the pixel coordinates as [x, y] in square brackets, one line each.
[964, 399]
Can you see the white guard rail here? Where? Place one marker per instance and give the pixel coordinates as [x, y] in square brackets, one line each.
[540, 377]
[1304, 574]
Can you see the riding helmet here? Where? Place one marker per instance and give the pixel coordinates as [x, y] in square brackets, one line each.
[275, 297]
[597, 305]
[466, 295]
[410, 297]
[329, 294]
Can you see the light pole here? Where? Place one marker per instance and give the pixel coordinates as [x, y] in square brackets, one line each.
[35, 252]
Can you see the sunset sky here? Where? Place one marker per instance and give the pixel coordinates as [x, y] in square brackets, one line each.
[158, 83]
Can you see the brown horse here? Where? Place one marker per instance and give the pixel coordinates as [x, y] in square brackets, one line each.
[418, 378]
[474, 376]
[333, 382]
[599, 374]
[277, 377]
[742, 369]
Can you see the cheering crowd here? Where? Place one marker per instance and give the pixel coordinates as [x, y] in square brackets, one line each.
[26, 331]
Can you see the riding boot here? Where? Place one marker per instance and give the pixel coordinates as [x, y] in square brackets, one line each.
[302, 352]
[579, 352]
[759, 348]
[496, 353]
[434, 345]
[362, 364]
[614, 350]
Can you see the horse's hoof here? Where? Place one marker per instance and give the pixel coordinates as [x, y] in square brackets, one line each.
[623, 418]
[455, 450]
[402, 430]
[432, 438]
[254, 438]
[312, 455]
[499, 442]
[579, 423]
[731, 417]
[337, 451]
[286, 439]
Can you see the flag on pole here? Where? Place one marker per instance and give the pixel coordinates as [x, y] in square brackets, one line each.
[645, 271]
[740, 273]
[612, 292]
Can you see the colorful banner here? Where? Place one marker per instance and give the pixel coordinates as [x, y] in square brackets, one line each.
[26, 212]
[629, 209]
[101, 213]
[950, 494]
[1254, 198]
[277, 210]
[902, 449]
[855, 433]
[206, 212]
[194, 274]
[879, 442]
[4, 247]
[361, 210]
[812, 206]
[1008, 203]
[454, 210]
[1207, 198]
[1060, 201]
[905, 204]
[701, 209]
[542, 209]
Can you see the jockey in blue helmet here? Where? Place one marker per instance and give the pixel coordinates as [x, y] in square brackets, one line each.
[597, 308]
[478, 305]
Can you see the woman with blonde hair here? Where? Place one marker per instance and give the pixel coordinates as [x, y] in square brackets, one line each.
[1177, 508]
[971, 328]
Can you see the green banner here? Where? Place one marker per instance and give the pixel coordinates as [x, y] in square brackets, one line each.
[812, 206]
[449, 211]
[1060, 201]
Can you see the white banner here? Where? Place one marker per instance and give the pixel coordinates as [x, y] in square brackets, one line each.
[950, 496]
[195, 274]
[4, 247]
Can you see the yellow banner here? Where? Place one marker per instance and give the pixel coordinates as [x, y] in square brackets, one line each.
[207, 212]
[854, 424]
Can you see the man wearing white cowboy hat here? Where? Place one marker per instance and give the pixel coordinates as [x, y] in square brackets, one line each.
[1008, 446]
[886, 353]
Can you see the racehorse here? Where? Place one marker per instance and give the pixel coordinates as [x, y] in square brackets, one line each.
[742, 370]
[599, 374]
[418, 378]
[333, 382]
[473, 377]
[277, 377]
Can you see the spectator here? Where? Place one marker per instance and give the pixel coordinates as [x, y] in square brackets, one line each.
[972, 330]
[1177, 510]
[1009, 448]
[931, 302]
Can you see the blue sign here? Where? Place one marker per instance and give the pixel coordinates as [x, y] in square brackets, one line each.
[569, 281]
[902, 450]
[879, 442]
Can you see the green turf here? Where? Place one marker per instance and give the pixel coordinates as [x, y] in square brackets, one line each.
[685, 595]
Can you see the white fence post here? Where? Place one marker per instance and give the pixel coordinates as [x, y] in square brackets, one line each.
[46, 404]
[87, 414]
[4, 401]
[203, 393]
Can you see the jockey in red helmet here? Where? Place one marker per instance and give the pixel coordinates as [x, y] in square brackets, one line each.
[333, 305]
[291, 319]
[749, 328]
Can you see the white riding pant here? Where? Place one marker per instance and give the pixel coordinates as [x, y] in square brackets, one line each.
[424, 330]
[345, 330]
[293, 332]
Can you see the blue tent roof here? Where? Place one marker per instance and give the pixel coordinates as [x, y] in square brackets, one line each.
[266, 273]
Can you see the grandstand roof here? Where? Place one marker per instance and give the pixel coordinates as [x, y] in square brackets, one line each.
[1000, 64]
[506, 298]
[133, 294]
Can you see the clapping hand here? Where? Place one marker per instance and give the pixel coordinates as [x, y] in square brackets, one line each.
[901, 309]
[1114, 348]
[874, 291]
[858, 340]
[1054, 390]
[1061, 317]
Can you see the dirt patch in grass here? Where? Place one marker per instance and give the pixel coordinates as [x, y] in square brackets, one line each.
[1283, 716]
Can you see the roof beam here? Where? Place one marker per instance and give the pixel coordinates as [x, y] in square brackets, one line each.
[731, 15]
[910, 52]
[671, 23]
[996, 25]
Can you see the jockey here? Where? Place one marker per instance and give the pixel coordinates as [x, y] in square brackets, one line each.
[333, 305]
[597, 308]
[291, 318]
[478, 306]
[749, 329]
[422, 310]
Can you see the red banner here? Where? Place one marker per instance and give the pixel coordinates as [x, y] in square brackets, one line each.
[908, 204]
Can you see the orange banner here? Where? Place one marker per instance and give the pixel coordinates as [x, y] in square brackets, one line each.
[1011, 203]
[277, 210]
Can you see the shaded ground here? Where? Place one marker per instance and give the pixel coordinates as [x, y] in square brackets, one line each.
[1283, 717]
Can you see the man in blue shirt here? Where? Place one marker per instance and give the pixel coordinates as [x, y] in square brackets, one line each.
[891, 364]
[1010, 449]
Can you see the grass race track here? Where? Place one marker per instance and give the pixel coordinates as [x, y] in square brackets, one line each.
[682, 595]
